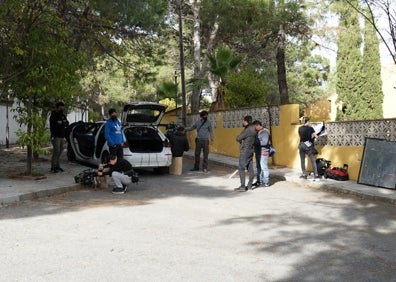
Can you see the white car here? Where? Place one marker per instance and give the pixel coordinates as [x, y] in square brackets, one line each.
[145, 147]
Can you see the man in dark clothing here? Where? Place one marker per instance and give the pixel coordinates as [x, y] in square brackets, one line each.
[306, 147]
[179, 145]
[179, 142]
[120, 171]
[246, 140]
[204, 133]
[58, 125]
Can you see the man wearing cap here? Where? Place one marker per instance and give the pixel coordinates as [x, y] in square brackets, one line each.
[246, 140]
[113, 134]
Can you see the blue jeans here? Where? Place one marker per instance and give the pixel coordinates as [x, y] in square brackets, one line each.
[264, 167]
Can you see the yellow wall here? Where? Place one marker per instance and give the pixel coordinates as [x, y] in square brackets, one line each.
[320, 110]
[343, 155]
[285, 139]
[225, 139]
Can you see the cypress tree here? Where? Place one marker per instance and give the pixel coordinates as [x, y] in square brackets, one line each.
[373, 97]
[349, 81]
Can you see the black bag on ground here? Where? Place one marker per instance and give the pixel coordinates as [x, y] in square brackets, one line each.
[337, 173]
[322, 165]
[87, 177]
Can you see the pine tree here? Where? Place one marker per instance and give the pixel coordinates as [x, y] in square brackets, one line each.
[349, 83]
[373, 97]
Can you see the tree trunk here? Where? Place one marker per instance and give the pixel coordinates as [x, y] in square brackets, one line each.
[44, 115]
[212, 83]
[200, 63]
[281, 67]
[219, 104]
[196, 93]
[29, 158]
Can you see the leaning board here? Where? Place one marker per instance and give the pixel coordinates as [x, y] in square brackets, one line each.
[378, 167]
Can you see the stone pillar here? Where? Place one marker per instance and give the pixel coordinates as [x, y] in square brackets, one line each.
[176, 167]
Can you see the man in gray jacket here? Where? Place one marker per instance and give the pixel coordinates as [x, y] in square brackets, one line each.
[204, 133]
[246, 140]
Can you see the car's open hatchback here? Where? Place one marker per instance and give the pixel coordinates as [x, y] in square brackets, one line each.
[143, 113]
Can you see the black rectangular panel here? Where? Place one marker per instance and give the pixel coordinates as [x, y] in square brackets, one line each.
[378, 167]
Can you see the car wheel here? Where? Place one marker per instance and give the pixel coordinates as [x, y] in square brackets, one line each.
[105, 157]
[162, 170]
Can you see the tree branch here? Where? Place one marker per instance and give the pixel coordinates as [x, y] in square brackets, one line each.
[372, 22]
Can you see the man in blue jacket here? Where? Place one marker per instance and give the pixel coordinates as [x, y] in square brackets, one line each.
[113, 134]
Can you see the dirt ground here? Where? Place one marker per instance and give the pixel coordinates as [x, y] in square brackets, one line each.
[13, 163]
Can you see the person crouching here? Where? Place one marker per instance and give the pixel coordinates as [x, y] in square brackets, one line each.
[120, 171]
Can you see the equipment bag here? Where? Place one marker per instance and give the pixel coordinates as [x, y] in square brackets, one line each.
[337, 173]
[322, 165]
[87, 177]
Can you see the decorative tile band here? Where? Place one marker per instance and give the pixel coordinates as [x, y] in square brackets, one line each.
[349, 133]
[234, 118]
[354, 133]
[267, 115]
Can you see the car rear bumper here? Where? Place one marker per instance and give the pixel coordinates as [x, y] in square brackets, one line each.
[152, 161]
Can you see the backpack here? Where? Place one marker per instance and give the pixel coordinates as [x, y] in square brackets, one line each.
[337, 173]
[322, 165]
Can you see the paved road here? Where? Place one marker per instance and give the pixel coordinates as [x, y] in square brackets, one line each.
[195, 228]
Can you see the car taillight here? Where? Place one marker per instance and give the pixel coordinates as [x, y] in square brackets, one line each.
[125, 145]
[167, 144]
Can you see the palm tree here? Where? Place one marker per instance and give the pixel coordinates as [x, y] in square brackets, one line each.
[220, 64]
[167, 90]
